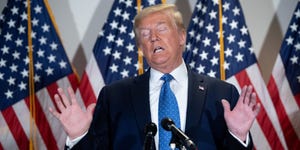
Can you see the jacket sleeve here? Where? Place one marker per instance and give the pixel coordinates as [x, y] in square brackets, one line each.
[98, 134]
[232, 143]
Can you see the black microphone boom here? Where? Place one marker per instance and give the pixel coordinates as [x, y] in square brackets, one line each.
[169, 125]
[150, 131]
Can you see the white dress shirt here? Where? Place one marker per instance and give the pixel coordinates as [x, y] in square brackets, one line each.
[179, 86]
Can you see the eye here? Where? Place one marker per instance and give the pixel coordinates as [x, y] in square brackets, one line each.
[145, 33]
[162, 29]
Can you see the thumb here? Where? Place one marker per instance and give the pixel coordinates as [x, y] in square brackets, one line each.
[226, 105]
[91, 108]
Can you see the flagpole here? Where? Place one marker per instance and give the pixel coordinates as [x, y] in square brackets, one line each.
[140, 55]
[221, 40]
[31, 81]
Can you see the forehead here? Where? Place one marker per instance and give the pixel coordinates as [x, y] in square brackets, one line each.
[155, 19]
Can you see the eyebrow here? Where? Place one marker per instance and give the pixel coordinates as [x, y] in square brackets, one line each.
[158, 24]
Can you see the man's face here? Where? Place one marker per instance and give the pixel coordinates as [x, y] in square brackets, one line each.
[161, 42]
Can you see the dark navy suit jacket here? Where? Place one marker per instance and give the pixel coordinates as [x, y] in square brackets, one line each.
[123, 110]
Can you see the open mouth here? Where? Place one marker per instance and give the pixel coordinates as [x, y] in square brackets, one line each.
[158, 49]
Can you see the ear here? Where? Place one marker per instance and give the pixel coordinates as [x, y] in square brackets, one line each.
[182, 37]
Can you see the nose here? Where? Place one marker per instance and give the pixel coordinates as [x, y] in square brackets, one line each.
[154, 37]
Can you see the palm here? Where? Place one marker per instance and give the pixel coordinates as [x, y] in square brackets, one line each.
[74, 119]
[240, 119]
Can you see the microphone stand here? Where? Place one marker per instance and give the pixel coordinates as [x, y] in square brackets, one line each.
[178, 143]
[149, 143]
[150, 130]
[175, 143]
[179, 138]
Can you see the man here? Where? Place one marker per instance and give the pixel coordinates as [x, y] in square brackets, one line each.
[125, 107]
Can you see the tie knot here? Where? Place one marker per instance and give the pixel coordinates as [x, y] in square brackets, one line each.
[167, 77]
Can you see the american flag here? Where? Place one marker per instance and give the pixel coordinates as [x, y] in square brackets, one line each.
[51, 70]
[284, 84]
[240, 63]
[115, 55]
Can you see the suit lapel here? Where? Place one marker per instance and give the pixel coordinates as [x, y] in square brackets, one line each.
[140, 101]
[196, 98]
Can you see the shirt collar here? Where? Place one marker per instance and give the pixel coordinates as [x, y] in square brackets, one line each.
[179, 74]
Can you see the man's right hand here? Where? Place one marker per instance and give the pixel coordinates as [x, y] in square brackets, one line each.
[74, 119]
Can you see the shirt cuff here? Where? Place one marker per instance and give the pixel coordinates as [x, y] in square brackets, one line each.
[70, 143]
[244, 143]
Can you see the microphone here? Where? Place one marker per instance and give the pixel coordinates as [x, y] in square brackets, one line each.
[169, 125]
[150, 131]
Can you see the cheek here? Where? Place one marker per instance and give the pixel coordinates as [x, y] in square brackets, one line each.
[171, 38]
[145, 50]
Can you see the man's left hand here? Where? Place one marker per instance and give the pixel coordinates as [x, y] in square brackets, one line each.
[240, 119]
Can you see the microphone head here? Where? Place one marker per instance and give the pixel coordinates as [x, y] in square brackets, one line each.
[150, 128]
[167, 123]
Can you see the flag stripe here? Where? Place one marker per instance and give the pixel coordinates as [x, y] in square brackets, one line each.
[286, 96]
[94, 73]
[266, 100]
[285, 104]
[43, 125]
[15, 128]
[282, 84]
[290, 135]
[72, 81]
[22, 112]
[259, 139]
[6, 135]
[89, 90]
[88, 95]
[52, 90]
[263, 119]
[297, 98]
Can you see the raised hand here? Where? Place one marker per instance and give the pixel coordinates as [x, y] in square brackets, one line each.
[240, 119]
[74, 119]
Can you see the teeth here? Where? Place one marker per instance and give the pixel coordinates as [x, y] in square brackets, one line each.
[158, 49]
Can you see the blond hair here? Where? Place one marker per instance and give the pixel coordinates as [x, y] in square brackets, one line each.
[169, 9]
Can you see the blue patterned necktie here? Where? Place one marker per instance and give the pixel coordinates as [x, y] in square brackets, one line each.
[168, 107]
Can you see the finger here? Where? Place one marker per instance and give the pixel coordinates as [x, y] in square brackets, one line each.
[59, 104]
[257, 109]
[72, 95]
[252, 102]
[248, 95]
[54, 113]
[242, 95]
[64, 97]
[91, 108]
[226, 105]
